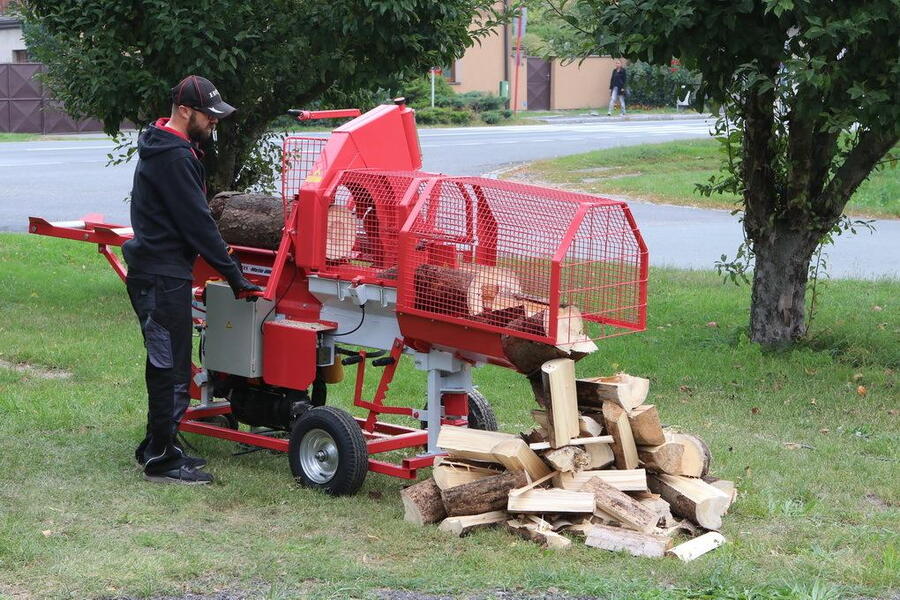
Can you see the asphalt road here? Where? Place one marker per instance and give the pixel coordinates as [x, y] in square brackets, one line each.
[65, 180]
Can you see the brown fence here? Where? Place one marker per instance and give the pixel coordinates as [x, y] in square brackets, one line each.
[25, 106]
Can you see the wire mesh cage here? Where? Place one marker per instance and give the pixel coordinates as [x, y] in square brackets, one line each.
[367, 209]
[539, 263]
[298, 159]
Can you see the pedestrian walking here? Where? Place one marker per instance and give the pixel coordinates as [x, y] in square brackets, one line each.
[172, 226]
[617, 88]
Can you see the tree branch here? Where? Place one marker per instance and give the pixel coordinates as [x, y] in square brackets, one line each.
[870, 148]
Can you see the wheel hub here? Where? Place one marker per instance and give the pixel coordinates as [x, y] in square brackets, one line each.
[319, 455]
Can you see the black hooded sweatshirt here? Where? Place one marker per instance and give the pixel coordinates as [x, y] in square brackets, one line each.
[169, 212]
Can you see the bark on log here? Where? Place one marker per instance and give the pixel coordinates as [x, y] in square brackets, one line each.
[691, 498]
[484, 495]
[422, 503]
[253, 220]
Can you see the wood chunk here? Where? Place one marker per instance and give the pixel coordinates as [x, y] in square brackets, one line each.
[665, 458]
[635, 543]
[568, 458]
[484, 495]
[698, 546]
[474, 444]
[448, 474]
[464, 525]
[548, 539]
[622, 507]
[536, 435]
[527, 356]
[551, 501]
[645, 426]
[422, 503]
[624, 448]
[589, 426]
[691, 498]
[723, 484]
[515, 455]
[696, 459]
[533, 484]
[622, 389]
[597, 439]
[632, 480]
[659, 507]
[559, 381]
[601, 455]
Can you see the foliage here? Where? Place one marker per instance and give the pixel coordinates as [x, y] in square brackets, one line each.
[491, 117]
[442, 115]
[810, 93]
[117, 60]
[418, 92]
[657, 85]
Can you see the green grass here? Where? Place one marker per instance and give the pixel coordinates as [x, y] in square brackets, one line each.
[668, 172]
[76, 520]
[18, 137]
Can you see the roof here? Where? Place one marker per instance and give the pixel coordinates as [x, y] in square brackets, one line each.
[10, 22]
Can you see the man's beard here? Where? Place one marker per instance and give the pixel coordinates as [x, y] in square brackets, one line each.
[198, 134]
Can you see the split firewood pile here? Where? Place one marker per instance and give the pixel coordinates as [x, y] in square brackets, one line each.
[598, 466]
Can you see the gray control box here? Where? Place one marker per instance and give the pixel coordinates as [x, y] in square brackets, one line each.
[234, 331]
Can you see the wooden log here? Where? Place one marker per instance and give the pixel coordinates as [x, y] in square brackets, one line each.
[448, 473]
[633, 480]
[698, 546]
[665, 458]
[466, 524]
[254, 220]
[422, 503]
[559, 383]
[551, 501]
[626, 510]
[601, 455]
[473, 444]
[568, 458]
[546, 538]
[625, 390]
[726, 486]
[624, 449]
[515, 455]
[467, 291]
[696, 458]
[691, 498]
[659, 507]
[484, 495]
[527, 356]
[645, 426]
[635, 543]
[533, 484]
[589, 426]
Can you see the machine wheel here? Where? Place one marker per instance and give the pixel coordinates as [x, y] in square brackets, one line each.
[481, 415]
[327, 451]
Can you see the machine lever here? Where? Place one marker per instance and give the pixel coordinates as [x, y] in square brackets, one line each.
[383, 362]
[352, 360]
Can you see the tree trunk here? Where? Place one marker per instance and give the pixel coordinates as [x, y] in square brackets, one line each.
[777, 307]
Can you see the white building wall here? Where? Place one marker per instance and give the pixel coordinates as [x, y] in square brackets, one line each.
[10, 39]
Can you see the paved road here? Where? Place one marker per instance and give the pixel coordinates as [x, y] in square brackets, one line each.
[68, 179]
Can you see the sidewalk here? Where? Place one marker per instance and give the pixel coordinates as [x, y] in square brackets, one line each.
[596, 117]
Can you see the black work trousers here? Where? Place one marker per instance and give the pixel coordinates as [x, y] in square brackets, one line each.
[163, 308]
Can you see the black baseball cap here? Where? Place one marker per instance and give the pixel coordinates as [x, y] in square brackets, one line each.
[200, 94]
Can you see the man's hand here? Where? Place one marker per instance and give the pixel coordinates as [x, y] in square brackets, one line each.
[243, 288]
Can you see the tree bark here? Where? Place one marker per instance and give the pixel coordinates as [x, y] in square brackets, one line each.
[777, 306]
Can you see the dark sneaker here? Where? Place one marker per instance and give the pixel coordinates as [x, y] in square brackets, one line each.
[192, 461]
[185, 475]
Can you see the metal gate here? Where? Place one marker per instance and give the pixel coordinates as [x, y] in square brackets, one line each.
[538, 84]
[25, 106]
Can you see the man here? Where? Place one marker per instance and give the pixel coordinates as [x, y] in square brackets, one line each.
[617, 88]
[172, 225]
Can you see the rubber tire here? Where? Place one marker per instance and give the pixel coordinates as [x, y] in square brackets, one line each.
[481, 415]
[353, 455]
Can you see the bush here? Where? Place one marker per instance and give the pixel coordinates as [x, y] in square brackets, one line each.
[481, 101]
[507, 113]
[460, 117]
[418, 92]
[441, 115]
[651, 85]
[491, 117]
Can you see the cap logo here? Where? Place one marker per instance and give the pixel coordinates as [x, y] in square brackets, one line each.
[214, 93]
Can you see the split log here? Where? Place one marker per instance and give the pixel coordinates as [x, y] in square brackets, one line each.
[691, 498]
[484, 495]
[533, 484]
[659, 507]
[698, 546]
[559, 384]
[625, 509]
[527, 355]
[696, 459]
[449, 473]
[568, 458]
[625, 390]
[546, 538]
[617, 539]
[633, 480]
[551, 501]
[623, 448]
[515, 455]
[464, 525]
[422, 503]
[665, 458]
[726, 486]
[645, 426]
[589, 426]
[601, 455]
[473, 444]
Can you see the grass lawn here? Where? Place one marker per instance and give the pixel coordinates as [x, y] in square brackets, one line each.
[19, 137]
[814, 454]
[667, 173]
